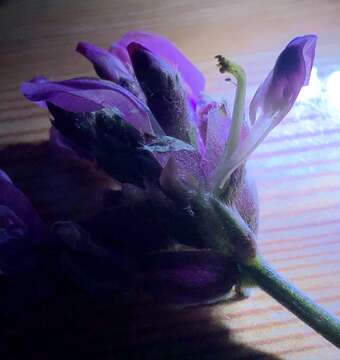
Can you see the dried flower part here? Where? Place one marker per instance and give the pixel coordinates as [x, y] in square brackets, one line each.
[164, 92]
[111, 141]
[187, 277]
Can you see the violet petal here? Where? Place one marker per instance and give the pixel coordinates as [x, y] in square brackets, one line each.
[276, 96]
[168, 51]
[106, 65]
[109, 67]
[87, 95]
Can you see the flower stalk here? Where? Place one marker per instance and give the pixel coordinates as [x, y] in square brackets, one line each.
[293, 299]
[136, 123]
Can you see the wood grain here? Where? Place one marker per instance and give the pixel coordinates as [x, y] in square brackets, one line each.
[297, 169]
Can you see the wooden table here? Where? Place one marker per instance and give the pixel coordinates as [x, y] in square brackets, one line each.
[297, 169]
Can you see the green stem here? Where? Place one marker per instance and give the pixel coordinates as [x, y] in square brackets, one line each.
[293, 299]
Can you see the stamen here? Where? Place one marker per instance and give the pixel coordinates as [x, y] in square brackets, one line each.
[227, 66]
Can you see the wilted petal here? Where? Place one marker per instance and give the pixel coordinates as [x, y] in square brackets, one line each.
[187, 277]
[168, 51]
[276, 96]
[87, 95]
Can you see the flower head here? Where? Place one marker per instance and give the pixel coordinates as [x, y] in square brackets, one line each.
[147, 123]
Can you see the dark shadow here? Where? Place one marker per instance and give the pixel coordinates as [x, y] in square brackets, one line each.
[58, 188]
[73, 326]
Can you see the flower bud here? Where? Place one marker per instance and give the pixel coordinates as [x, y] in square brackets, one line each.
[115, 144]
[187, 277]
[165, 94]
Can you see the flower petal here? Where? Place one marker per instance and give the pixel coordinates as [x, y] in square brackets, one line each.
[110, 67]
[168, 51]
[106, 65]
[276, 96]
[187, 277]
[188, 164]
[87, 95]
[217, 129]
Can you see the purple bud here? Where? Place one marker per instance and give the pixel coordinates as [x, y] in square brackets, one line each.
[164, 91]
[187, 277]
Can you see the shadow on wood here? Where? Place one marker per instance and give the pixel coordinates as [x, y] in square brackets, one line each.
[77, 327]
[59, 188]
[73, 325]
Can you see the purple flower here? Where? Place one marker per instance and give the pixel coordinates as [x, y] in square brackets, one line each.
[147, 122]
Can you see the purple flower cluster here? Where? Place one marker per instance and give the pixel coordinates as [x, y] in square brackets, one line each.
[147, 123]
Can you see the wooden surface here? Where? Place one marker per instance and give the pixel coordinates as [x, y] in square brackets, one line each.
[297, 169]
